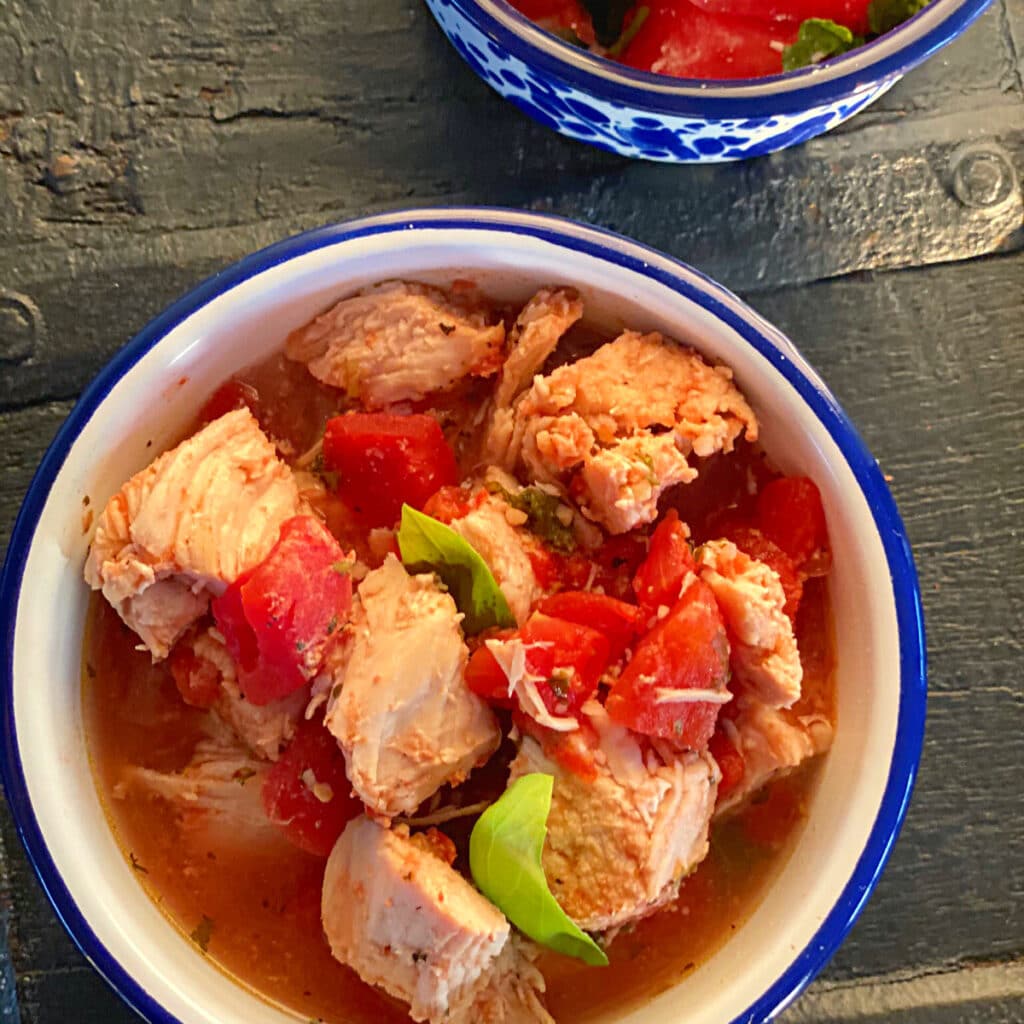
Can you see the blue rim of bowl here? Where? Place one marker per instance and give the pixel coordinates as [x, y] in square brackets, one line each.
[791, 92]
[607, 246]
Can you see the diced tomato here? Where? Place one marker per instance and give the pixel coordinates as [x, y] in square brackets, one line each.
[570, 657]
[486, 678]
[754, 543]
[851, 13]
[384, 460]
[667, 564]
[307, 793]
[197, 679]
[684, 41]
[790, 513]
[449, 503]
[618, 622]
[730, 761]
[687, 650]
[278, 618]
[232, 394]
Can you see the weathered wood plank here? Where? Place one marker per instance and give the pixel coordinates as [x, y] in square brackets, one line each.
[142, 144]
[929, 364]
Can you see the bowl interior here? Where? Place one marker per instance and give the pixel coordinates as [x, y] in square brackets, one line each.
[152, 403]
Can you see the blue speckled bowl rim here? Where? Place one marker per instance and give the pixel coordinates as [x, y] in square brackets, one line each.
[603, 245]
[789, 93]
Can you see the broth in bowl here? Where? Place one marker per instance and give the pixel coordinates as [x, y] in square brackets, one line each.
[444, 579]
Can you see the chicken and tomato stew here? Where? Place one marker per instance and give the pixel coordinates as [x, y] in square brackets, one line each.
[462, 663]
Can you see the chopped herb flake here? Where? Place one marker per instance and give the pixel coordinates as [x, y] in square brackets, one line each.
[446, 328]
[817, 40]
[136, 866]
[243, 775]
[202, 933]
[343, 566]
[332, 625]
[542, 516]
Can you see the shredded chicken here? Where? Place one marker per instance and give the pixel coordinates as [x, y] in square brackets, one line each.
[764, 656]
[403, 919]
[401, 710]
[188, 525]
[397, 342]
[622, 423]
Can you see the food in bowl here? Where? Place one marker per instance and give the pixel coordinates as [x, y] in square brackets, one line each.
[718, 39]
[457, 650]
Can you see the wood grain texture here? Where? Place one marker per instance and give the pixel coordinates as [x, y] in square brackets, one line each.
[145, 145]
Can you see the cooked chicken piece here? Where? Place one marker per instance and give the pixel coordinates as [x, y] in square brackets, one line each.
[266, 730]
[404, 716]
[217, 793]
[489, 530]
[538, 329]
[620, 842]
[185, 527]
[397, 342]
[608, 424]
[405, 920]
[773, 742]
[764, 656]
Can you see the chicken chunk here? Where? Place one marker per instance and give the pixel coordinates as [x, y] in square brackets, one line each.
[188, 525]
[505, 549]
[397, 342]
[538, 329]
[764, 656]
[265, 729]
[403, 919]
[404, 716]
[621, 424]
[622, 838]
[772, 742]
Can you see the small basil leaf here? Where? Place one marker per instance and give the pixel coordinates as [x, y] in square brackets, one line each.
[885, 15]
[430, 546]
[505, 859]
[817, 40]
[608, 16]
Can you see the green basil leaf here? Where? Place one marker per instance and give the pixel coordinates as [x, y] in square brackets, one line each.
[430, 546]
[817, 40]
[504, 857]
[885, 15]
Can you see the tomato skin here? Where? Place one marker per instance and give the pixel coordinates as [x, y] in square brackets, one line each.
[791, 515]
[572, 751]
[688, 649]
[311, 824]
[730, 761]
[279, 617]
[684, 41]
[667, 564]
[618, 622]
[384, 460]
[449, 502]
[197, 679]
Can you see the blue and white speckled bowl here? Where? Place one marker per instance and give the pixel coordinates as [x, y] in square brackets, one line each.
[684, 120]
[149, 393]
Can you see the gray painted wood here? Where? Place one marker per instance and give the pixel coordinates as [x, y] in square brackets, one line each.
[144, 145]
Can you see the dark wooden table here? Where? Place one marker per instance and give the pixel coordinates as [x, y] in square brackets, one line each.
[144, 144]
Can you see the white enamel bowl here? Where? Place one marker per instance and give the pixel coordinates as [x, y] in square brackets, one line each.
[150, 391]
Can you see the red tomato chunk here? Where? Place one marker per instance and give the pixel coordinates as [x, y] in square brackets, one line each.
[667, 564]
[307, 793]
[384, 460]
[686, 650]
[618, 622]
[790, 514]
[197, 679]
[278, 618]
[730, 761]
